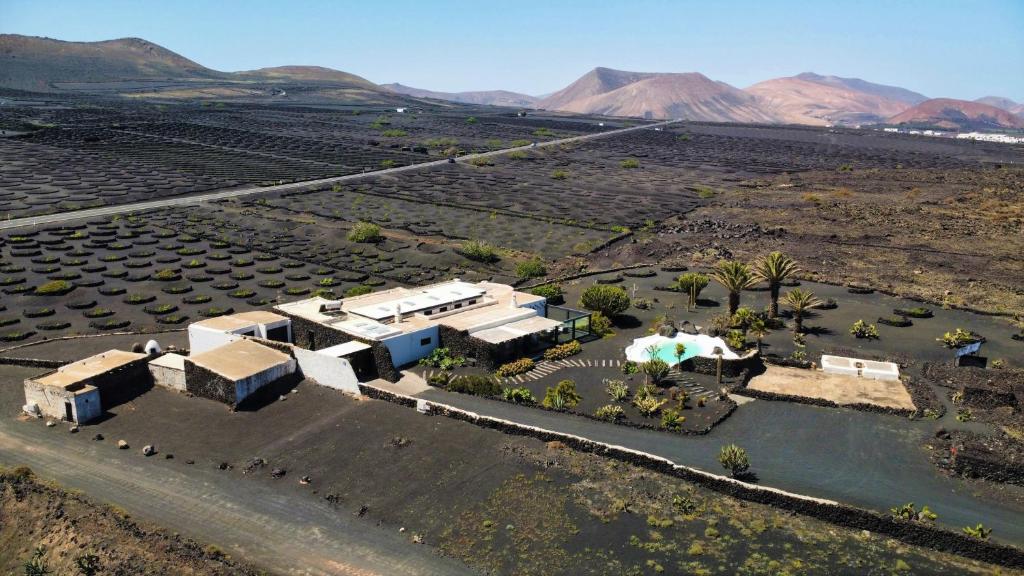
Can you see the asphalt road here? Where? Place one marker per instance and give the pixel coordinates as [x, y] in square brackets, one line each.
[250, 190]
[271, 529]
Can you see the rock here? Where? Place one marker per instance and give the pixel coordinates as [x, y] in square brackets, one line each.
[190, 462]
[305, 480]
[283, 397]
[122, 445]
[278, 472]
[148, 450]
[98, 437]
[73, 429]
[401, 530]
[169, 456]
[50, 423]
[417, 539]
[362, 510]
[224, 466]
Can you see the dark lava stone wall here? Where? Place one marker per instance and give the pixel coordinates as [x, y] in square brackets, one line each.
[123, 383]
[730, 368]
[325, 337]
[202, 382]
[974, 460]
[460, 343]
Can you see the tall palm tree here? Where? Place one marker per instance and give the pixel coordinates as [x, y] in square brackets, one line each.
[800, 301]
[759, 329]
[774, 269]
[736, 277]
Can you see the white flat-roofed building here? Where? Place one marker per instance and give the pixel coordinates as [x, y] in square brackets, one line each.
[212, 333]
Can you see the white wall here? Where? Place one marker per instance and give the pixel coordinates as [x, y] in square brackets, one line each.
[406, 348]
[327, 370]
[168, 377]
[253, 383]
[84, 407]
[201, 338]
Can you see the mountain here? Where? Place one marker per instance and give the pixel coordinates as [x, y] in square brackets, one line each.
[810, 98]
[139, 67]
[32, 63]
[958, 114]
[1003, 103]
[491, 97]
[692, 96]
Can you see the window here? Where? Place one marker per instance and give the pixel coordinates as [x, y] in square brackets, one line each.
[459, 305]
[428, 312]
[443, 309]
[471, 302]
[425, 341]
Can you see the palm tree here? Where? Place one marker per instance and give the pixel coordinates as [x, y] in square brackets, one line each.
[800, 301]
[736, 277]
[759, 329]
[680, 352]
[774, 269]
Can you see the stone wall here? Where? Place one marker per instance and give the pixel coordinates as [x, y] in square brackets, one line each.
[325, 337]
[461, 343]
[202, 382]
[730, 368]
[917, 534]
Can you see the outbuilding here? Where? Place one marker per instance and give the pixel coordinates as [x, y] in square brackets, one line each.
[211, 333]
[81, 391]
[232, 372]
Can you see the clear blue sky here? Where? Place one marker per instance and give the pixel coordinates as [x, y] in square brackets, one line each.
[960, 49]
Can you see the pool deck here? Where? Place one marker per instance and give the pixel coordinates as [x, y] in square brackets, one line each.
[842, 390]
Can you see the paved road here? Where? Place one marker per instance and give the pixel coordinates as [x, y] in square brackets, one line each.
[874, 461]
[273, 529]
[250, 190]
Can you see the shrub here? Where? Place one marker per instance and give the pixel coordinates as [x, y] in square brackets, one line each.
[617, 390]
[520, 395]
[610, 412]
[862, 329]
[439, 379]
[543, 132]
[562, 397]
[358, 291]
[519, 143]
[648, 405]
[691, 281]
[552, 292]
[385, 164]
[471, 120]
[520, 366]
[608, 300]
[54, 288]
[442, 358]
[736, 339]
[958, 338]
[630, 367]
[562, 351]
[394, 133]
[364, 232]
[672, 419]
[533, 268]
[479, 251]
[656, 369]
[734, 459]
[600, 325]
[643, 304]
[916, 312]
[559, 175]
[979, 531]
[907, 512]
[630, 163]
[517, 155]
[474, 384]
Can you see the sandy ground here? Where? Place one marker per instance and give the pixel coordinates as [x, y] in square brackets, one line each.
[832, 387]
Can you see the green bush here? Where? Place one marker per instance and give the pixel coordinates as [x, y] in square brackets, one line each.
[394, 133]
[54, 288]
[479, 251]
[563, 351]
[365, 232]
[552, 292]
[475, 384]
[617, 390]
[600, 325]
[691, 281]
[958, 338]
[734, 459]
[559, 175]
[514, 368]
[656, 369]
[630, 163]
[471, 120]
[442, 358]
[385, 164]
[519, 143]
[533, 268]
[646, 402]
[672, 419]
[608, 300]
[630, 367]
[562, 397]
[610, 412]
[520, 395]
[979, 531]
[862, 329]
[358, 291]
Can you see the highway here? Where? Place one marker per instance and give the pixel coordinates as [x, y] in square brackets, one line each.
[192, 200]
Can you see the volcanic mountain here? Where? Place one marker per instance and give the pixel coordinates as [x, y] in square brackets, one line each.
[959, 115]
[1003, 103]
[491, 97]
[692, 96]
[810, 98]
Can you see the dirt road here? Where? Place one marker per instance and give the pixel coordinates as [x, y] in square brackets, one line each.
[250, 521]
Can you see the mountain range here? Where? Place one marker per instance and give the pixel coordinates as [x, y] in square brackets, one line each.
[136, 67]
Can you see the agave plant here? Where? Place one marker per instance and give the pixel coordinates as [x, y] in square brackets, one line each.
[736, 277]
[774, 269]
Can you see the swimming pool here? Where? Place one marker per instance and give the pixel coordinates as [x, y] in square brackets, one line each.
[665, 348]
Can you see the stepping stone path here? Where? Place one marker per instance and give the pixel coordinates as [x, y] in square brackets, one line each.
[687, 382]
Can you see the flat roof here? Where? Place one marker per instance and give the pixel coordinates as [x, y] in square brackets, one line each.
[344, 349]
[517, 329]
[225, 323]
[76, 372]
[169, 360]
[366, 328]
[261, 317]
[240, 359]
[415, 300]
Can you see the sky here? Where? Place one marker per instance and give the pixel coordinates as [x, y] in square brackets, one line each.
[948, 48]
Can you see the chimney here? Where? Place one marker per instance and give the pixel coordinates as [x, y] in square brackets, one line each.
[513, 303]
[398, 313]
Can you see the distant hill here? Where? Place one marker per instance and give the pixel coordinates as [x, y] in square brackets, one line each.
[136, 66]
[490, 97]
[692, 96]
[958, 114]
[38, 64]
[814, 99]
[1003, 103]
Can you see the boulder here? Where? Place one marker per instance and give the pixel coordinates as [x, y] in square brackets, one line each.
[148, 450]
[122, 445]
[278, 472]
